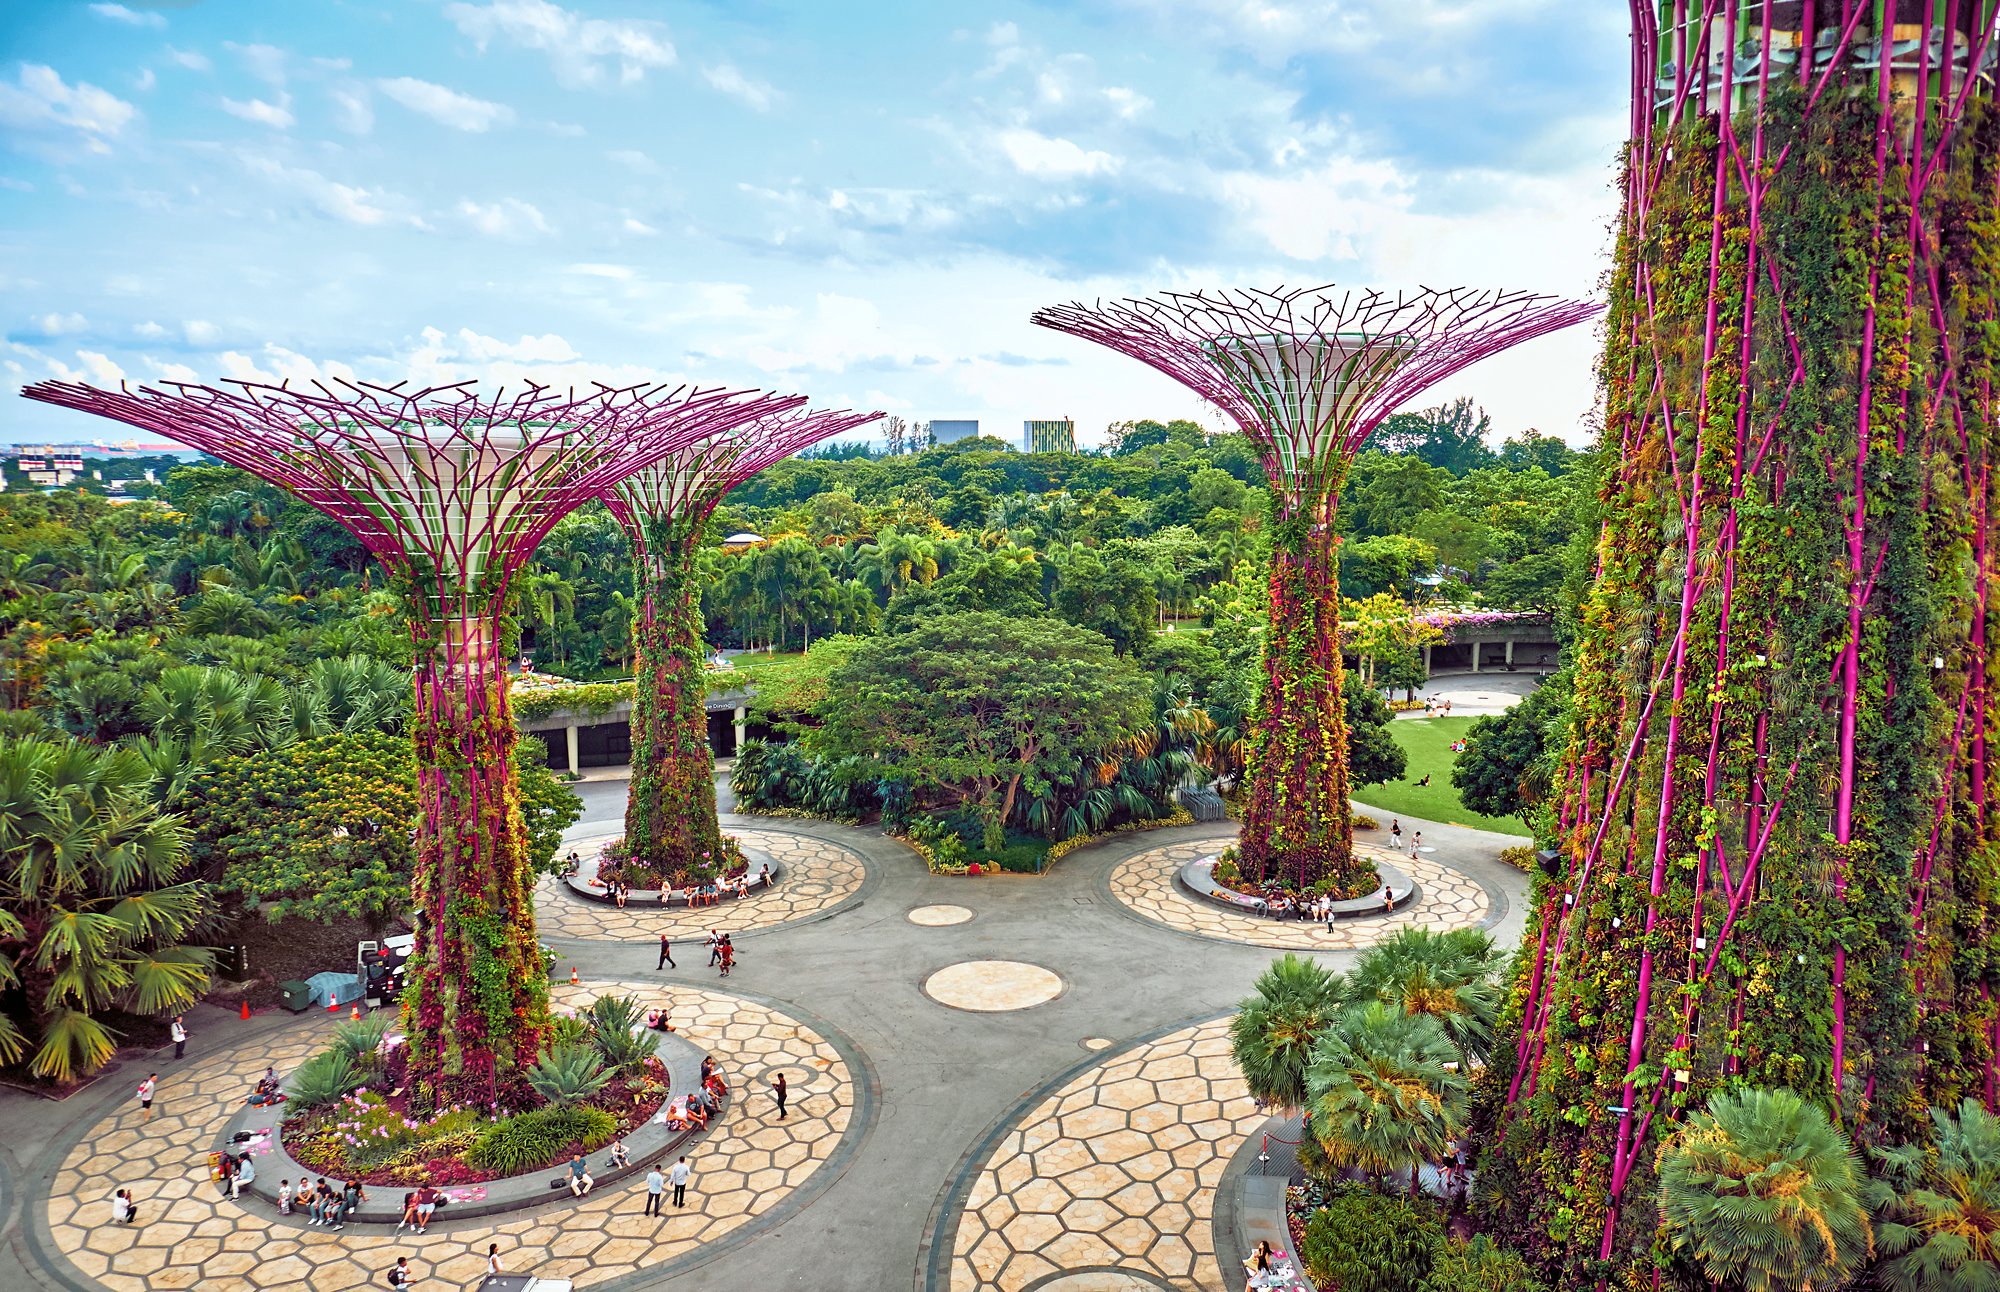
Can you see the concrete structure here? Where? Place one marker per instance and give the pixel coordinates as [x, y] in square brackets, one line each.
[1049, 437]
[946, 432]
[577, 739]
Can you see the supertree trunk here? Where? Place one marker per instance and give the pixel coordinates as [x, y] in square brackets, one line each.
[1308, 375]
[480, 994]
[670, 818]
[1298, 827]
[1780, 846]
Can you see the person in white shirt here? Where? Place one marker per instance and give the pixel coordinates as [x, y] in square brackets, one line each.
[284, 1197]
[246, 1173]
[679, 1177]
[146, 1090]
[493, 1259]
[180, 1034]
[656, 1188]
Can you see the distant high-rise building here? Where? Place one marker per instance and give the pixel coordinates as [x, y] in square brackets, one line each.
[946, 432]
[1049, 437]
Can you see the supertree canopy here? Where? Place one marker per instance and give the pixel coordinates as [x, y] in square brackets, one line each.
[1777, 842]
[451, 490]
[670, 822]
[1308, 375]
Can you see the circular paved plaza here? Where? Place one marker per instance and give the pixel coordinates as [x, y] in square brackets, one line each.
[1009, 1082]
[747, 1165]
[818, 876]
[1449, 899]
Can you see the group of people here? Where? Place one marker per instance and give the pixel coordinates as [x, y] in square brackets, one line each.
[267, 1090]
[1396, 837]
[1437, 708]
[233, 1171]
[715, 890]
[323, 1203]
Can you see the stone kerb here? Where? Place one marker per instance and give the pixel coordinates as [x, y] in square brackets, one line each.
[583, 883]
[1197, 878]
[384, 1205]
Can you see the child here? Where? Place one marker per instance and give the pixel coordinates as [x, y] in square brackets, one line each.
[284, 1197]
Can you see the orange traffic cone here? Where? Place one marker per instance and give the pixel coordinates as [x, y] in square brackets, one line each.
[355, 1013]
[246, 1009]
[332, 1003]
[574, 980]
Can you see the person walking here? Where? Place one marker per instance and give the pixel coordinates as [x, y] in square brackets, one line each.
[679, 1177]
[1416, 844]
[728, 955]
[1395, 834]
[778, 1088]
[147, 1089]
[666, 954]
[178, 1030]
[656, 1188]
[399, 1275]
[714, 947]
[493, 1265]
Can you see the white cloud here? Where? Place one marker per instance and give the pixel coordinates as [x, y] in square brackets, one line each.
[150, 330]
[44, 105]
[619, 273]
[366, 207]
[1126, 103]
[446, 106]
[174, 371]
[548, 348]
[284, 365]
[266, 62]
[100, 368]
[1034, 153]
[190, 59]
[634, 160]
[580, 49]
[277, 115]
[1320, 214]
[728, 79]
[510, 218]
[145, 80]
[200, 331]
[639, 227]
[57, 324]
[130, 17]
[352, 110]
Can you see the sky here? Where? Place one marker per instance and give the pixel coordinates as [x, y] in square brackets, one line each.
[858, 200]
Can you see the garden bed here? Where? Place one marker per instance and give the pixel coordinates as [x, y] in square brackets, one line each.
[1198, 878]
[591, 880]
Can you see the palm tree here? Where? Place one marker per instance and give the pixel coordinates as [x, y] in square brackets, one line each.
[214, 711]
[1943, 1233]
[1762, 1193]
[90, 920]
[1451, 977]
[360, 693]
[1273, 1032]
[1385, 1093]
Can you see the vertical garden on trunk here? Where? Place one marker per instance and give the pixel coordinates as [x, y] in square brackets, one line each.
[1778, 853]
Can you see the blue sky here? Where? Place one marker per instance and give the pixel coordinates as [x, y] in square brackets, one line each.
[858, 201]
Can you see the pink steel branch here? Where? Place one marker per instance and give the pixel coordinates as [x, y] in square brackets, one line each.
[688, 483]
[1717, 57]
[1308, 373]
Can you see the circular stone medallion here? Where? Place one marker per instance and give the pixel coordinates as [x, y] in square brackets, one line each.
[1096, 1043]
[937, 916]
[992, 986]
[1099, 1281]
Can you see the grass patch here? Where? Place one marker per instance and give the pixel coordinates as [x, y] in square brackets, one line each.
[1427, 742]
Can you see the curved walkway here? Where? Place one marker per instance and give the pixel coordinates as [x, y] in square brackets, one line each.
[1114, 1168]
[819, 875]
[748, 1165]
[1144, 884]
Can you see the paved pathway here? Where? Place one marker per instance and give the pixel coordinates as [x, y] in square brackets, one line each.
[819, 875]
[875, 1204]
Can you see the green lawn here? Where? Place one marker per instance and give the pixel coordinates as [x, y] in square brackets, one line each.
[1427, 741]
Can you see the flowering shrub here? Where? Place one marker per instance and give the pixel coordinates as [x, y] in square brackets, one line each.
[615, 862]
[365, 1130]
[1451, 622]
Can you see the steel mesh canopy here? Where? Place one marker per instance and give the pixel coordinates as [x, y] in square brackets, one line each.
[446, 486]
[691, 480]
[1308, 373]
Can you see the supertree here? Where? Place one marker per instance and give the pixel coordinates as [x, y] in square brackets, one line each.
[670, 823]
[1308, 374]
[451, 491]
[1777, 854]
